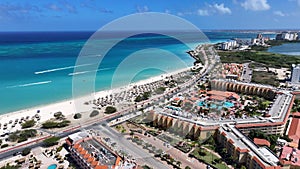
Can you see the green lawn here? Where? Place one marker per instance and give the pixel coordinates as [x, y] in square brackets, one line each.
[264, 78]
[208, 158]
[266, 58]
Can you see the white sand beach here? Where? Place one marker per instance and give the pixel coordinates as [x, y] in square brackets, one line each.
[67, 107]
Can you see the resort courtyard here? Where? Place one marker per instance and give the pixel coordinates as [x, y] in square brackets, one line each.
[218, 105]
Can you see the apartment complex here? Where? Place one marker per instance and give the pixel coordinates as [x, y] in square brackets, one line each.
[90, 153]
[290, 36]
[295, 77]
[244, 151]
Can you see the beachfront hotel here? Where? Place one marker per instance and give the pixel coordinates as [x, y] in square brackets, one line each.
[231, 134]
[90, 153]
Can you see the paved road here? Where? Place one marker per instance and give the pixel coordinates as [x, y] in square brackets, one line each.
[124, 144]
[247, 73]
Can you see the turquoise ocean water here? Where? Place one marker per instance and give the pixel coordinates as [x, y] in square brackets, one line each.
[36, 67]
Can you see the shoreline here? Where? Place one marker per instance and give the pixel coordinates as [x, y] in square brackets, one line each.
[75, 105]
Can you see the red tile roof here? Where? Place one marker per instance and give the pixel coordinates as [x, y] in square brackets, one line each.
[83, 152]
[91, 159]
[294, 131]
[94, 163]
[230, 141]
[288, 156]
[261, 142]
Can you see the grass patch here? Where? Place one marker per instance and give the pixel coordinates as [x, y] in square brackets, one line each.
[264, 78]
[207, 157]
[267, 58]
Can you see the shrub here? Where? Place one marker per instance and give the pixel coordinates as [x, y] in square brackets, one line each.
[51, 141]
[160, 90]
[94, 113]
[28, 124]
[26, 151]
[77, 116]
[4, 145]
[21, 136]
[218, 160]
[59, 148]
[110, 110]
[144, 96]
[53, 124]
[202, 153]
[8, 166]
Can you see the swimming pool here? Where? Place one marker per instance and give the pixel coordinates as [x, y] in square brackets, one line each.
[52, 166]
[225, 104]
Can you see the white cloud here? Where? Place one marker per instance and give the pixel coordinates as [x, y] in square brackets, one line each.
[203, 12]
[221, 9]
[256, 5]
[279, 13]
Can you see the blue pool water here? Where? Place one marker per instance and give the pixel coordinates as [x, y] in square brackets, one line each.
[52, 166]
[225, 104]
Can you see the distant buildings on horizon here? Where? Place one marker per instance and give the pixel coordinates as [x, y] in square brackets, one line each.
[260, 40]
[287, 35]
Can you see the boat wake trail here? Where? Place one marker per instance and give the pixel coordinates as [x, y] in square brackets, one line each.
[61, 68]
[89, 71]
[29, 84]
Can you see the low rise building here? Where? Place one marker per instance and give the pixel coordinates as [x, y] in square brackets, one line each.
[245, 151]
[90, 153]
[290, 157]
[294, 129]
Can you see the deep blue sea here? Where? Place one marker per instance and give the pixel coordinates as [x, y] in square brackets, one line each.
[37, 68]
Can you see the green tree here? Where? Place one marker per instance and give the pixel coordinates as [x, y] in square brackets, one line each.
[110, 110]
[187, 167]
[28, 124]
[77, 116]
[94, 113]
[4, 145]
[243, 167]
[26, 151]
[51, 141]
[52, 124]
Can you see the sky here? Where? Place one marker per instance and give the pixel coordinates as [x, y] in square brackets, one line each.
[90, 15]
